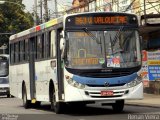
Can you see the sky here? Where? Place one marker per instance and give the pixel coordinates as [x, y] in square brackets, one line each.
[29, 3]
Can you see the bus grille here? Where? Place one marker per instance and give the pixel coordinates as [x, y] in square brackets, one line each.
[106, 75]
[112, 85]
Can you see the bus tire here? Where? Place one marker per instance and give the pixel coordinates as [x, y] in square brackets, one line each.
[57, 107]
[37, 104]
[26, 102]
[8, 96]
[118, 106]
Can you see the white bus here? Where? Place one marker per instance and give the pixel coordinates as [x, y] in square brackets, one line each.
[4, 73]
[78, 59]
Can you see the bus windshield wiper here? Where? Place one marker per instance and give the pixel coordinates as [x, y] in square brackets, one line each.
[127, 38]
[116, 36]
[98, 41]
[92, 35]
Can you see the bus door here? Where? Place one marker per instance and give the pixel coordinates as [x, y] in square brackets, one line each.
[32, 55]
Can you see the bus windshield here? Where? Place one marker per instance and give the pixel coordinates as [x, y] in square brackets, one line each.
[4, 68]
[101, 49]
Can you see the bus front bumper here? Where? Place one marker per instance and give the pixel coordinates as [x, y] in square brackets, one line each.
[94, 93]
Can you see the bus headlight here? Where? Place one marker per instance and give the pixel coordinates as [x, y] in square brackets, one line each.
[70, 81]
[74, 83]
[135, 82]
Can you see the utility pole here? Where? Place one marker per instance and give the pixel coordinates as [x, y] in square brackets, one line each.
[55, 8]
[35, 12]
[145, 18]
[41, 14]
[46, 18]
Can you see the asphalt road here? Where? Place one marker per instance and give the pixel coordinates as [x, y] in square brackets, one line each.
[12, 109]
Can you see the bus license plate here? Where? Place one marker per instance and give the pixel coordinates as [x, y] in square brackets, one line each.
[106, 93]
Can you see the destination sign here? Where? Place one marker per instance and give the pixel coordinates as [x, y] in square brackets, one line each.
[91, 19]
[100, 20]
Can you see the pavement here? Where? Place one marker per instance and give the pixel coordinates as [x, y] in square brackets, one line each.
[150, 100]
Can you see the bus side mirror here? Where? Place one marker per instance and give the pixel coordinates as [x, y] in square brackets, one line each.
[62, 46]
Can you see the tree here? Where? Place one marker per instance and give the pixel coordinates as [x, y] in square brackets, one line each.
[13, 19]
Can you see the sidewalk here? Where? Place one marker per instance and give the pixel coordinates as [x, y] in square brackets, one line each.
[150, 100]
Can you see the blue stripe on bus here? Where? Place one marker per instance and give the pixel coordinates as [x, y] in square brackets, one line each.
[101, 81]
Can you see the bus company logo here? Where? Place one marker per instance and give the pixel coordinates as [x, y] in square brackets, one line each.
[9, 117]
[106, 84]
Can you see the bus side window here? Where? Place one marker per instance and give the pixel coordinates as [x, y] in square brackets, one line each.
[17, 52]
[47, 44]
[53, 43]
[40, 41]
[22, 48]
[12, 53]
[34, 45]
[26, 50]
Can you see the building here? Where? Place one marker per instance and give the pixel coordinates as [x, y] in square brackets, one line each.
[149, 13]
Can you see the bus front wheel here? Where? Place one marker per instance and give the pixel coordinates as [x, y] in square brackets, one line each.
[118, 106]
[26, 103]
[56, 106]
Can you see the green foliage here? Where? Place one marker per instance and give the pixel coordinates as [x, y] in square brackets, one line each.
[13, 19]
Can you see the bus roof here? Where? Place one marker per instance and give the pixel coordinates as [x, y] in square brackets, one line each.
[54, 22]
[37, 28]
[100, 12]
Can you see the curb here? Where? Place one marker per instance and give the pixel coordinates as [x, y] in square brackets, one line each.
[143, 105]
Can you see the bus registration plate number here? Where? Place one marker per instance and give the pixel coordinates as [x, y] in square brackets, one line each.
[106, 93]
